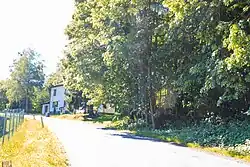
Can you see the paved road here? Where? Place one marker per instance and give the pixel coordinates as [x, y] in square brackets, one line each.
[89, 145]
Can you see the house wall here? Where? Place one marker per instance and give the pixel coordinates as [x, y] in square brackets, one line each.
[109, 109]
[60, 96]
[43, 108]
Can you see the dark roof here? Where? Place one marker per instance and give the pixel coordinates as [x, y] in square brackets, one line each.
[56, 86]
[45, 103]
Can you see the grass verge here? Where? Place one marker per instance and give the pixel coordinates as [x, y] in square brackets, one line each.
[33, 145]
[218, 150]
[230, 139]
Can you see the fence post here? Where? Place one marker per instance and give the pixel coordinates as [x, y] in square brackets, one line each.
[18, 111]
[22, 115]
[4, 127]
[12, 123]
[16, 120]
[9, 131]
[42, 122]
[19, 117]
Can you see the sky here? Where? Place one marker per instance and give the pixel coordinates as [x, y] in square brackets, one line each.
[38, 24]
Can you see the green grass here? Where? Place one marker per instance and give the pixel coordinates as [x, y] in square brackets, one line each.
[11, 124]
[33, 145]
[102, 118]
[225, 151]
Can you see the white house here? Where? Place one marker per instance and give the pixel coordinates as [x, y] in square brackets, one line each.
[57, 100]
[57, 103]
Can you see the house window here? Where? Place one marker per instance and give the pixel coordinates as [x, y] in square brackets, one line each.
[54, 93]
[55, 104]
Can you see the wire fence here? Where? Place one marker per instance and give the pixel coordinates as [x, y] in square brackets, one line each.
[9, 122]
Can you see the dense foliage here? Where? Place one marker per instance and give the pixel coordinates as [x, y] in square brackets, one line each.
[3, 96]
[55, 78]
[24, 88]
[204, 134]
[162, 59]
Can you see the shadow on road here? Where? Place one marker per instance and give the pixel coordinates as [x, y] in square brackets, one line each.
[138, 137]
[107, 128]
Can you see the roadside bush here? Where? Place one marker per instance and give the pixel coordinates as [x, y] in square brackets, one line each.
[121, 124]
[234, 136]
[241, 149]
[227, 135]
[138, 124]
[127, 124]
[117, 116]
[212, 135]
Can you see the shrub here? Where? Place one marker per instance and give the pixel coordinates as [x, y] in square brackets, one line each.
[241, 149]
[138, 124]
[209, 135]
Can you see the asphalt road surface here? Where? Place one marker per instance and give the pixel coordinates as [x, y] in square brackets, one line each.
[89, 145]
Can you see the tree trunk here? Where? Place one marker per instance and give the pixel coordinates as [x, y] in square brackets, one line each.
[150, 75]
[160, 99]
[152, 114]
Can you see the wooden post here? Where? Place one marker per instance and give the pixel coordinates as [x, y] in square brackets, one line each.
[19, 117]
[12, 122]
[42, 122]
[18, 113]
[9, 131]
[6, 163]
[4, 127]
[22, 116]
[16, 120]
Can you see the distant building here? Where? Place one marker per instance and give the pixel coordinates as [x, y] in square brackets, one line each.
[57, 102]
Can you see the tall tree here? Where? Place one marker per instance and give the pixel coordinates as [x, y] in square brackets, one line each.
[40, 96]
[26, 75]
[55, 78]
[3, 96]
[196, 52]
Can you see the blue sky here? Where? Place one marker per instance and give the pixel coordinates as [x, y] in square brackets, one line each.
[38, 24]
